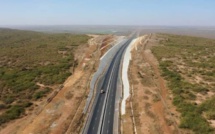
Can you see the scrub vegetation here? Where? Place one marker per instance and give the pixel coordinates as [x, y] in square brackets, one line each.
[28, 58]
[187, 63]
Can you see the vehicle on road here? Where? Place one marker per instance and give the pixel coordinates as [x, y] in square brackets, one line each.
[102, 91]
[102, 116]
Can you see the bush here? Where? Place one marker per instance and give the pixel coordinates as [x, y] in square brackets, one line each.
[200, 89]
[196, 122]
[8, 100]
[27, 104]
[13, 113]
[186, 49]
[191, 119]
[2, 106]
[210, 115]
[41, 94]
[31, 57]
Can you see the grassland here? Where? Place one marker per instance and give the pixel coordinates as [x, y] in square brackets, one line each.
[187, 63]
[28, 60]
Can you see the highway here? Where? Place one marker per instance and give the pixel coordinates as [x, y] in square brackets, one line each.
[101, 118]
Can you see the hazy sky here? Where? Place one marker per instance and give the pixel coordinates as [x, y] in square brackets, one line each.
[107, 12]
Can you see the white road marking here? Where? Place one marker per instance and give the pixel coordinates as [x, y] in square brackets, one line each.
[106, 96]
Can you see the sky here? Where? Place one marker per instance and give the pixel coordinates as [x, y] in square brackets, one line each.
[108, 12]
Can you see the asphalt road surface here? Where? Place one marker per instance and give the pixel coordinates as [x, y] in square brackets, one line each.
[102, 115]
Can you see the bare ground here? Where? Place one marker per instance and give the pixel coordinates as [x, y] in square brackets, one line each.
[63, 114]
[151, 101]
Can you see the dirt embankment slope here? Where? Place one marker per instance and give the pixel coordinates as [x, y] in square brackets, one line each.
[63, 114]
[152, 109]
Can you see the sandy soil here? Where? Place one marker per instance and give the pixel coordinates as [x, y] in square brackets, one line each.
[153, 111]
[64, 113]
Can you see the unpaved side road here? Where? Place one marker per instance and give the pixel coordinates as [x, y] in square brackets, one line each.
[149, 107]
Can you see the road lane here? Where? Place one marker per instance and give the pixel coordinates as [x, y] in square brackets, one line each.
[103, 112]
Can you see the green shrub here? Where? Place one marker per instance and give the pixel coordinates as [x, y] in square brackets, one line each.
[210, 115]
[31, 57]
[196, 122]
[41, 94]
[8, 99]
[13, 113]
[2, 106]
[27, 104]
[184, 92]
